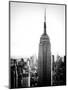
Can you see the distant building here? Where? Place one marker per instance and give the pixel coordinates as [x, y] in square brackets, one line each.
[31, 61]
[59, 73]
[44, 59]
[65, 70]
[53, 60]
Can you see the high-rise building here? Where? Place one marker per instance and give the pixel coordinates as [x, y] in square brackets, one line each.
[53, 60]
[44, 59]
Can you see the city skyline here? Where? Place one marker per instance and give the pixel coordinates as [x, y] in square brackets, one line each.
[27, 26]
[37, 45]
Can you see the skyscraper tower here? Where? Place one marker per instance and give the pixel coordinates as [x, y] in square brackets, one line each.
[44, 59]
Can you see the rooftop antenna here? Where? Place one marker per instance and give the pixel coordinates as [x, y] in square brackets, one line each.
[45, 22]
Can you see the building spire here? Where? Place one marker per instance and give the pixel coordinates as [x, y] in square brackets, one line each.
[45, 22]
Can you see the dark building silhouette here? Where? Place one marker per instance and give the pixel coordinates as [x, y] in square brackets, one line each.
[64, 70]
[13, 74]
[44, 59]
[53, 60]
[59, 73]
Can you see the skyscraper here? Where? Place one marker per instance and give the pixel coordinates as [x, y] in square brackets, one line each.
[44, 59]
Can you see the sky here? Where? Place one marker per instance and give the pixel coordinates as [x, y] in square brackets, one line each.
[27, 26]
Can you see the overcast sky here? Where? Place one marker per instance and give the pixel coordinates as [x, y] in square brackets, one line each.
[27, 26]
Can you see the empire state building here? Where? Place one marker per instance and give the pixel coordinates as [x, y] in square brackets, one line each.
[44, 59]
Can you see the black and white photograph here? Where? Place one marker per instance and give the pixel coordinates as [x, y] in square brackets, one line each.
[37, 44]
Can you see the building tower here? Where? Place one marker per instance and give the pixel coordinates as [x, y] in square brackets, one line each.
[44, 59]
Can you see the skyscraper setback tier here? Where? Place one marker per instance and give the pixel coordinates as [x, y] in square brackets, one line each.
[44, 60]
